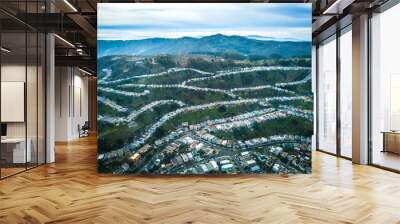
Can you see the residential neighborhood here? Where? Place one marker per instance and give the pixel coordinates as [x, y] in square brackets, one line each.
[176, 133]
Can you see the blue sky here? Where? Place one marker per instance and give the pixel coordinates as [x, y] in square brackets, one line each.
[127, 21]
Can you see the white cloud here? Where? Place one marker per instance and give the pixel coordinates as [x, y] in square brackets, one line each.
[144, 20]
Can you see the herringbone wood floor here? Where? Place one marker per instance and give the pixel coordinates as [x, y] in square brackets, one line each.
[70, 191]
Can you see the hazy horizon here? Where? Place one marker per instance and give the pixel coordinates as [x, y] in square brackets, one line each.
[254, 37]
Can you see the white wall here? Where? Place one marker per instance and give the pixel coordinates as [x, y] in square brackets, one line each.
[80, 108]
[17, 73]
[12, 73]
[71, 94]
[33, 127]
[62, 81]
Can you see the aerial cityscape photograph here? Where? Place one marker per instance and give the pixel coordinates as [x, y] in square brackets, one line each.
[204, 89]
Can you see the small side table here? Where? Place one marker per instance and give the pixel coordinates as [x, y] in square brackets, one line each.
[391, 141]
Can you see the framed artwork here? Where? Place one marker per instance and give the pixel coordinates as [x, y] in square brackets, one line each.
[204, 88]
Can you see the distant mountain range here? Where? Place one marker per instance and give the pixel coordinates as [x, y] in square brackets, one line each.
[214, 44]
[266, 38]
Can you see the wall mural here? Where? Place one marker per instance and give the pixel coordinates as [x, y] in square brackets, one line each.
[204, 88]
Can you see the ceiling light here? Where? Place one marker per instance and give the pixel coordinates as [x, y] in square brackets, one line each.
[337, 7]
[5, 50]
[70, 5]
[79, 51]
[64, 40]
[84, 71]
